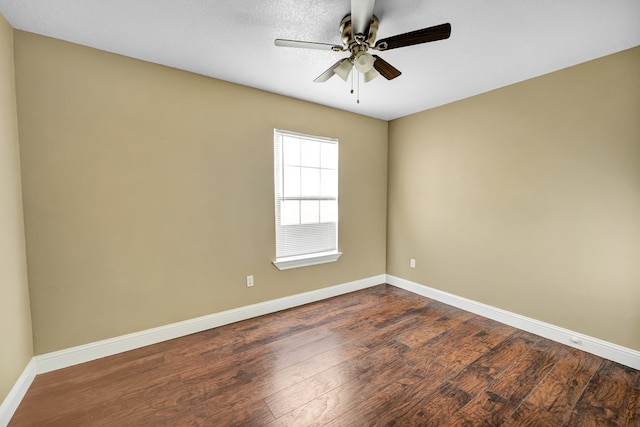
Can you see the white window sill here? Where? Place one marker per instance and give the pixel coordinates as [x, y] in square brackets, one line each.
[306, 260]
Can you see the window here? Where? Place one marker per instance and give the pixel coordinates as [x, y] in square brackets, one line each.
[306, 199]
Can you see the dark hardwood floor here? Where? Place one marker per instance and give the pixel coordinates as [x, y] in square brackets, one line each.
[381, 356]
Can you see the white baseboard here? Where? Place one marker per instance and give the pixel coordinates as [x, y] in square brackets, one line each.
[85, 353]
[10, 403]
[607, 350]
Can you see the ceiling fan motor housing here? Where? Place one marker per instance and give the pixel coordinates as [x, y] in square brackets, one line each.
[349, 39]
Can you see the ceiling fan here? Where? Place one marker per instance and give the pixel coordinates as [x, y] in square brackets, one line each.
[358, 30]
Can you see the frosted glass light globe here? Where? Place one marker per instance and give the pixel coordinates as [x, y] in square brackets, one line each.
[363, 62]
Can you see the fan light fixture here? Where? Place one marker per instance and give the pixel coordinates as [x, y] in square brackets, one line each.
[363, 62]
[343, 69]
[370, 75]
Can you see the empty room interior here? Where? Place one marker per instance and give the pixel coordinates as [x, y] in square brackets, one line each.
[137, 207]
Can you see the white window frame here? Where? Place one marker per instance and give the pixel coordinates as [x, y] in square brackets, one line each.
[292, 240]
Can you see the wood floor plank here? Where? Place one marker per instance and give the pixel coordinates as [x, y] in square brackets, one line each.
[486, 409]
[284, 401]
[634, 407]
[436, 348]
[324, 409]
[437, 407]
[473, 346]
[258, 381]
[384, 402]
[393, 410]
[70, 398]
[432, 321]
[484, 370]
[517, 381]
[555, 396]
[607, 399]
[379, 356]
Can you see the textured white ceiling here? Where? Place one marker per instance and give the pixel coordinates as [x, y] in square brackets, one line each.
[493, 43]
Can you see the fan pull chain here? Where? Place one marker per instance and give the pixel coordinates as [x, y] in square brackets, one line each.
[358, 89]
[352, 73]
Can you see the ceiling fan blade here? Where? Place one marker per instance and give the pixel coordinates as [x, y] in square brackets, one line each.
[361, 13]
[329, 73]
[431, 34]
[308, 45]
[387, 70]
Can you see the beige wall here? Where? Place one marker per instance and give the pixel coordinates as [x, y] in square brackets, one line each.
[15, 319]
[528, 198]
[148, 192]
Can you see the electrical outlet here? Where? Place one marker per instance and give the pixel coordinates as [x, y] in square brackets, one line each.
[249, 281]
[412, 263]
